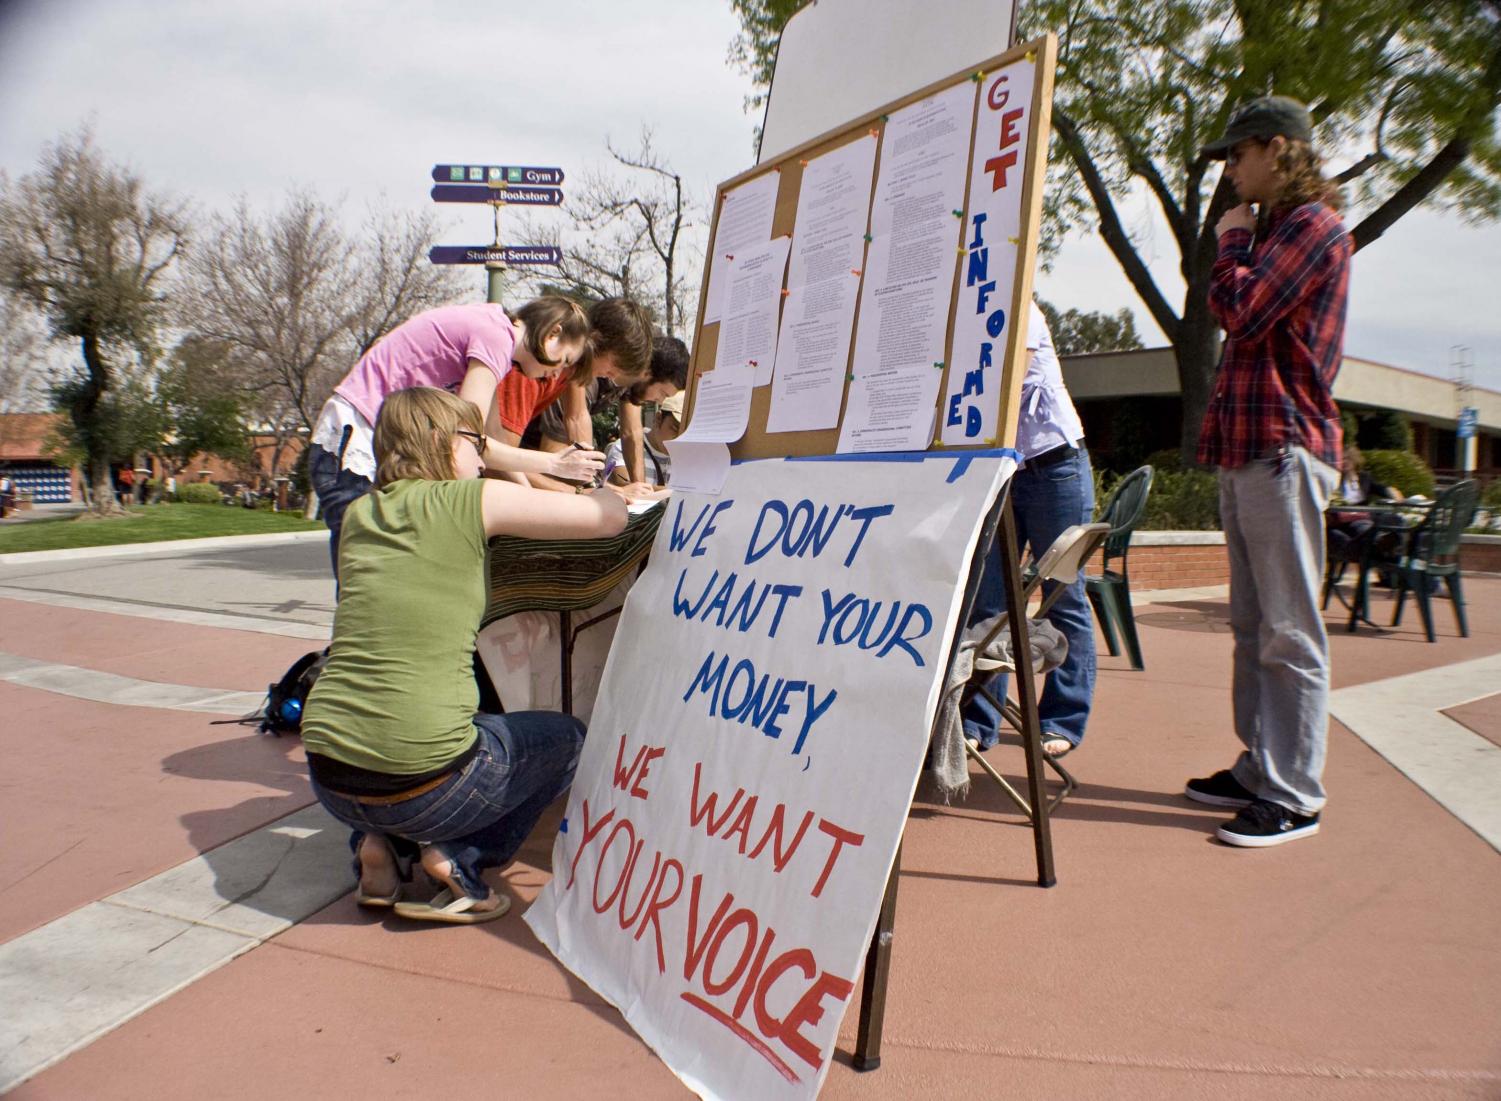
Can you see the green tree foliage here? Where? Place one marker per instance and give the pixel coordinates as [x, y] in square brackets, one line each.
[1412, 89]
[1402, 470]
[126, 421]
[201, 413]
[754, 49]
[1080, 332]
[84, 242]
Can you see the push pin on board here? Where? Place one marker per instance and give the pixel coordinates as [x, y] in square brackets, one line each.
[1031, 55]
[849, 378]
[958, 214]
[939, 364]
[729, 256]
[855, 271]
[885, 118]
[875, 131]
[868, 238]
[752, 363]
[962, 250]
[1014, 240]
[979, 75]
[803, 163]
[785, 292]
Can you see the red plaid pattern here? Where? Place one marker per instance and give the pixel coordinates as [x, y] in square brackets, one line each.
[1281, 302]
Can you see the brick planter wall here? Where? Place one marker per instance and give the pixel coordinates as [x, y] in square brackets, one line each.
[1480, 553]
[1174, 560]
[1191, 559]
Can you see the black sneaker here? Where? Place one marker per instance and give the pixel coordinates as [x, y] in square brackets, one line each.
[1220, 790]
[1265, 823]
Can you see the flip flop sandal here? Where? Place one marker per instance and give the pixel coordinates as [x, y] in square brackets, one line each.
[1051, 744]
[451, 910]
[381, 902]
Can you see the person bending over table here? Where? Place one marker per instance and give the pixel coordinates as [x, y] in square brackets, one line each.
[469, 349]
[396, 747]
[537, 414]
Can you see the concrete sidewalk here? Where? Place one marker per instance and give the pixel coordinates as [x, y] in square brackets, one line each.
[177, 858]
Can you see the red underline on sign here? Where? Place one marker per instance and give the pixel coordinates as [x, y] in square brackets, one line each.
[741, 1031]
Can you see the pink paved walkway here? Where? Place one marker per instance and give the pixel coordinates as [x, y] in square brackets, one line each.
[1360, 964]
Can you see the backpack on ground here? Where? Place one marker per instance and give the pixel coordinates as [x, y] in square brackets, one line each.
[282, 713]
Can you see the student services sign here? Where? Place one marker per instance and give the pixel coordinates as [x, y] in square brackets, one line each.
[754, 748]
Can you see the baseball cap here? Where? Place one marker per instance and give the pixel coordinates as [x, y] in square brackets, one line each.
[1263, 119]
[673, 405]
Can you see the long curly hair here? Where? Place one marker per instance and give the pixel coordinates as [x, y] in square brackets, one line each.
[1301, 179]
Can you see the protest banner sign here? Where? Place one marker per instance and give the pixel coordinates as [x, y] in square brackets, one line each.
[756, 742]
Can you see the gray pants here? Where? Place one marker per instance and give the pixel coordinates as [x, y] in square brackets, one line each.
[1273, 515]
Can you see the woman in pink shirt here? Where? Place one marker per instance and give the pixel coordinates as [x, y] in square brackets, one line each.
[465, 350]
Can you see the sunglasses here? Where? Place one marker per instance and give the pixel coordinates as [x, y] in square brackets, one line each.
[1238, 154]
[479, 439]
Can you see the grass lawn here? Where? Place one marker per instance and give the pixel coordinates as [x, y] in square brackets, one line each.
[148, 524]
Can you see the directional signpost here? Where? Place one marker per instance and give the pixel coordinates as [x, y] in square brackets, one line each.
[484, 193]
[495, 254]
[497, 174]
[499, 185]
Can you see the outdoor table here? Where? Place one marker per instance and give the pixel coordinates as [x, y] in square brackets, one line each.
[1402, 516]
[566, 576]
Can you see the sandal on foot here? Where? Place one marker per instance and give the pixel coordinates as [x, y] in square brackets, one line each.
[445, 907]
[1055, 746]
[369, 899]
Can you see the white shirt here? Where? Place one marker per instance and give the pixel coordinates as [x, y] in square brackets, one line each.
[658, 463]
[1048, 418]
[328, 433]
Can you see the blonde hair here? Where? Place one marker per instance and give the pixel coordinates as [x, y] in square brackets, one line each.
[414, 434]
[1300, 177]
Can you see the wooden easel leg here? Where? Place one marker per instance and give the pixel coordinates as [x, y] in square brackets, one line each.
[1026, 695]
[877, 968]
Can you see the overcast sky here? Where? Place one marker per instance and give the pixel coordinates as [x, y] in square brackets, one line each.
[215, 98]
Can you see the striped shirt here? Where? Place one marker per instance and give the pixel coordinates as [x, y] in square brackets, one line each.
[1281, 301]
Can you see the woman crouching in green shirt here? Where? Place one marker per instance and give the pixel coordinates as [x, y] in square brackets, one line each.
[396, 746]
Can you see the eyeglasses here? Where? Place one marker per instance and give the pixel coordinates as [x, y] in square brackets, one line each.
[479, 439]
[1238, 154]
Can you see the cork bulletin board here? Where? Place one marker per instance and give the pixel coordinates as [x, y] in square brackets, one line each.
[1007, 151]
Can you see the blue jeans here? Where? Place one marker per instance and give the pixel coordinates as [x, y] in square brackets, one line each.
[1045, 501]
[337, 489]
[479, 817]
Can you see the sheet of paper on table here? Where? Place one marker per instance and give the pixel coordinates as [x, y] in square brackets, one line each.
[828, 251]
[721, 411]
[744, 222]
[752, 309]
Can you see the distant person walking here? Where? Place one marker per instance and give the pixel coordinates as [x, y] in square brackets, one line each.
[1279, 288]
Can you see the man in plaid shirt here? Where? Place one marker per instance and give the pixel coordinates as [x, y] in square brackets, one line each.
[1280, 285]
